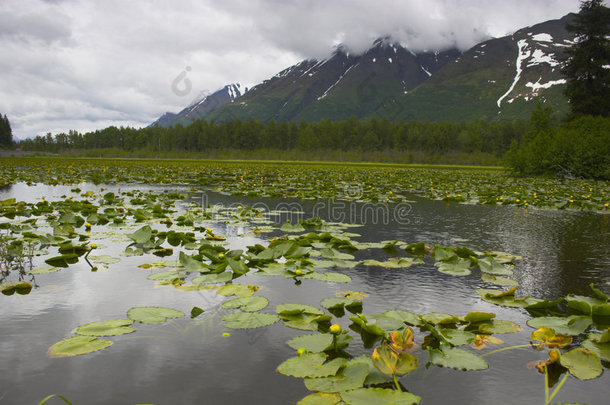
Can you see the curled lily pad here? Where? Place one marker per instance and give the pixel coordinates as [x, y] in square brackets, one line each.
[295, 309]
[549, 338]
[153, 315]
[498, 280]
[460, 359]
[249, 320]
[582, 363]
[247, 304]
[378, 396]
[73, 346]
[112, 327]
[455, 266]
[598, 345]
[391, 362]
[493, 266]
[350, 377]
[310, 365]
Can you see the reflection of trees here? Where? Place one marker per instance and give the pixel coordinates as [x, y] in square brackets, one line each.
[16, 257]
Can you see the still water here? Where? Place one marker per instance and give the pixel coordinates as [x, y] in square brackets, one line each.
[188, 361]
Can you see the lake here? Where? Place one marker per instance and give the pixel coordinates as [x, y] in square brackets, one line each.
[189, 361]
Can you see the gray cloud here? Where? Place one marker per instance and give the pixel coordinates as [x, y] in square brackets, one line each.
[76, 64]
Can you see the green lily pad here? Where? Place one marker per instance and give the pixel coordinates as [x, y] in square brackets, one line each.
[498, 326]
[296, 309]
[491, 265]
[457, 337]
[73, 346]
[142, 235]
[249, 320]
[407, 317]
[329, 277]
[349, 378]
[454, 266]
[572, 325]
[165, 276]
[379, 396]
[582, 363]
[320, 398]
[153, 315]
[12, 287]
[112, 327]
[498, 280]
[459, 359]
[104, 259]
[247, 304]
[315, 343]
[44, 270]
[239, 290]
[436, 318]
[213, 278]
[583, 304]
[311, 365]
[600, 344]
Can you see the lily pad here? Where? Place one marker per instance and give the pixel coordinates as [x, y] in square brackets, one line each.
[249, 320]
[454, 266]
[498, 326]
[379, 396]
[12, 287]
[311, 365]
[315, 343]
[493, 266]
[104, 259]
[153, 315]
[73, 346]
[459, 359]
[582, 363]
[320, 398]
[44, 270]
[247, 304]
[239, 290]
[349, 378]
[112, 327]
[572, 325]
[498, 280]
[213, 278]
[329, 277]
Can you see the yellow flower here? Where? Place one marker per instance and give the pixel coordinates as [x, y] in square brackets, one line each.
[226, 334]
[335, 329]
[298, 272]
[221, 255]
[301, 351]
[93, 246]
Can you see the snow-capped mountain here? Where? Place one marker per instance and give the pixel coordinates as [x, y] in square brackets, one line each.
[203, 106]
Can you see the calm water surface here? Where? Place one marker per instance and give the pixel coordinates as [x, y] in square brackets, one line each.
[188, 361]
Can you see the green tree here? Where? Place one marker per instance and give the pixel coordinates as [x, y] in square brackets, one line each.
[587, 68]
[6, 133]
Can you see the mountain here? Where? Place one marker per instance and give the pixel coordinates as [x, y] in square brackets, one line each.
[337, 87]
[498, 79]
[202, 107]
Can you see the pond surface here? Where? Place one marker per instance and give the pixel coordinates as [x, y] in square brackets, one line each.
[188, 361]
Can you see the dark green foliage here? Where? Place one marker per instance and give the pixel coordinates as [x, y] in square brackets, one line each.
[6, 133]
[372, 136]
[580, 148]
[587, 68]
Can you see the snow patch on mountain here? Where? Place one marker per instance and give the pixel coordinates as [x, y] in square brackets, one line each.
[537, 86]
[543, 37]
[523, 54]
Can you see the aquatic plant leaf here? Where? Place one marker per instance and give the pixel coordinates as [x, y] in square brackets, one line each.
[329, 277]
[454, 266]
[12, 287]
[407, 317]
[320, 398]
[362, 323]
[572, 325]
[498, 326]
[436, 318]
[288, 227]
[478, 317]
[247, 304]
[153, 315]
[600, 344]
[46, 399]
[352, 295]
[239, 290]
[457, 337]
[315, 343]
[379, 396]
[599, 294]
[142, 235]
[297, 309]
[113, 327]
[76, 345]
[196, 311]
[498, 280]
[417, 249]
[582, 363]
[350, 377]
[492, 266]
[582, 304]
[311, 365]
[213, 278]
[502, 257]
[459, 359]
[389, 362]
[104, 259]
[62, 261]
[601, 310]
[549, 338]
[44, 270]
[249, 320]
[387, 323]
[166, 275]
[192, 265]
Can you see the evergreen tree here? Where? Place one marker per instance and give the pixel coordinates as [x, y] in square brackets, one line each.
[588, 66]
[6, 133]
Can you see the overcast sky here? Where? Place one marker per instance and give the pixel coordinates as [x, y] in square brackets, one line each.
[84, 65]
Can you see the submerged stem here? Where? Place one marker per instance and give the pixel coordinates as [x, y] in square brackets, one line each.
[506, 348]
[556, 390]
[396, 382]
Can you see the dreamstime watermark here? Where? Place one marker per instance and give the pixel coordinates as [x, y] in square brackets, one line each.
[182, 86]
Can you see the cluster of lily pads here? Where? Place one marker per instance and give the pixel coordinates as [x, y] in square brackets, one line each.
[190, 255]
[319, 181]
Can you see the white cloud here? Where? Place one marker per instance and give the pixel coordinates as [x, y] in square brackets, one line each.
[84, 64]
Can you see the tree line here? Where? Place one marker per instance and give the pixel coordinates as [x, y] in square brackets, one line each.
[6, 133]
